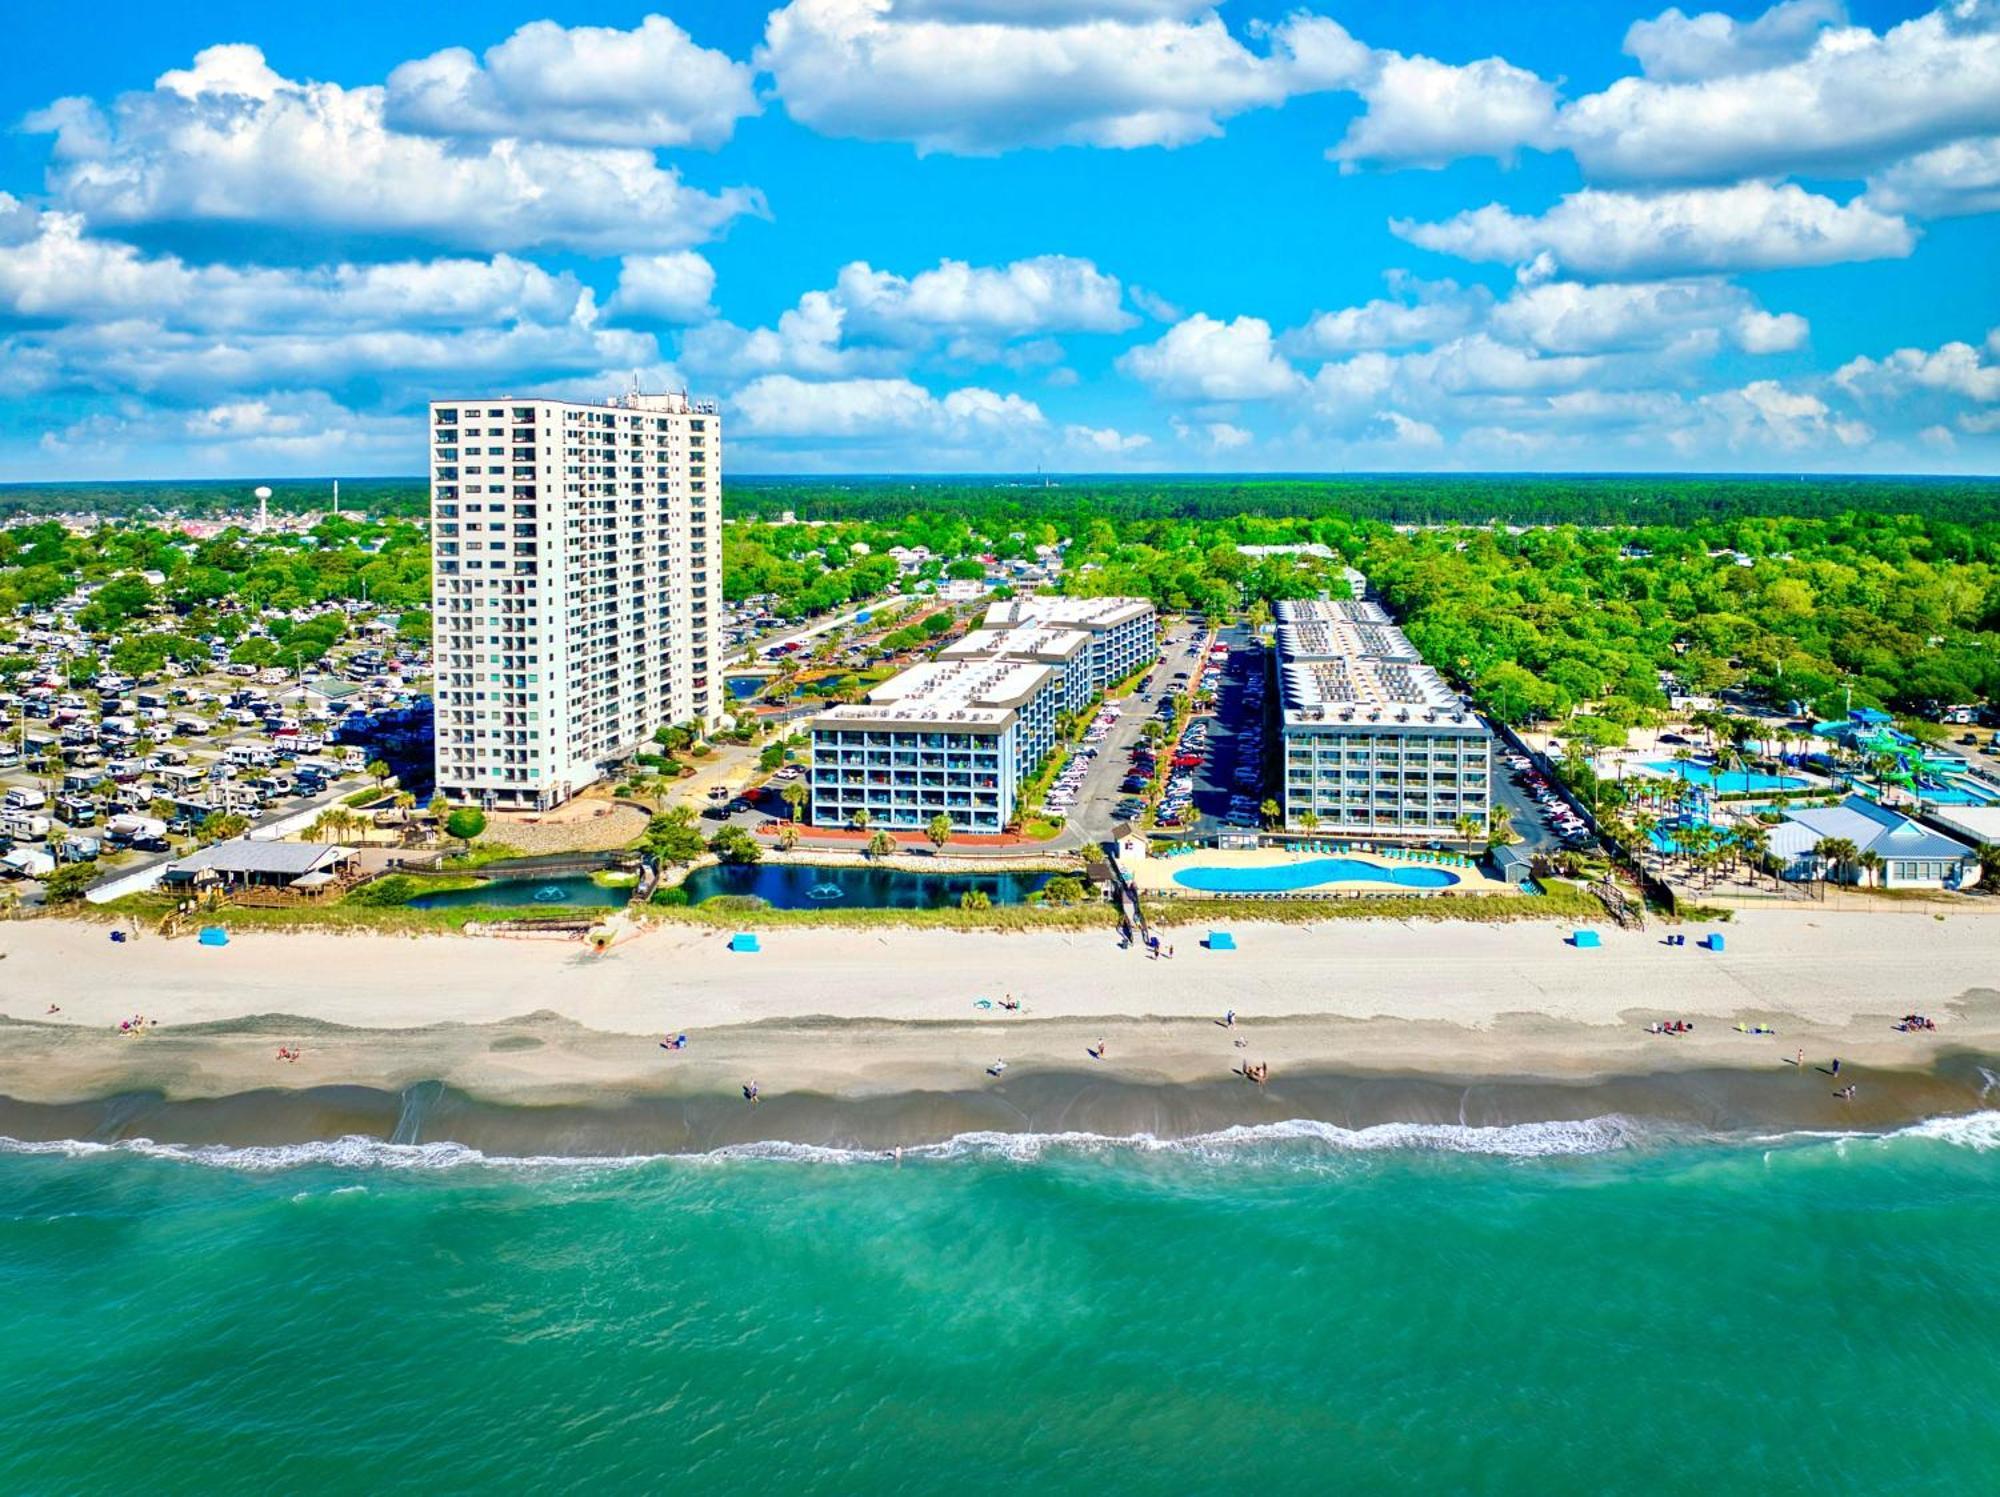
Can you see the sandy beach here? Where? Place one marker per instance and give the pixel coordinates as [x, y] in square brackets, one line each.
[878, 1018]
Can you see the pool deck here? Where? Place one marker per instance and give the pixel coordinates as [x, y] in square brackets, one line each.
[1155, 876]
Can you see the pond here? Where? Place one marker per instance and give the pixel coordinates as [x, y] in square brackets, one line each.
[742, 687]
[568, 891]
[797, 886]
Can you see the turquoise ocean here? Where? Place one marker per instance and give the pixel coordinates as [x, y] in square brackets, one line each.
[1551, 1308]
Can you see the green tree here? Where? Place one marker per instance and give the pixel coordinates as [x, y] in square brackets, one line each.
[975, 899]
[795, 797]
[379, 772]
[939, 831]
[733, 844]
[67, 884]
[880, 845]
[466, 824]
[672, 838]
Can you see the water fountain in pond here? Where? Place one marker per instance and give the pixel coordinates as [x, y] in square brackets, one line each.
[551, 894]
[825, 891]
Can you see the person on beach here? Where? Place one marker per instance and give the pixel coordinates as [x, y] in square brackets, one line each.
[751, 1092]
[1229, 1019]
[1836, 1065]
[1098, 1053]
[1801, 1061]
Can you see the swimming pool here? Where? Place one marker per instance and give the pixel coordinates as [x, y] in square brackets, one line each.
[1286, 878]
[1733, 782]
[1957, 792]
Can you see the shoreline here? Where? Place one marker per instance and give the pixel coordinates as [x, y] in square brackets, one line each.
[871, 1039]
[1510, 1115]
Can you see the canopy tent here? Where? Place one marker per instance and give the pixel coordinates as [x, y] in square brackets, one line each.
[1586, 940]
[1221, 940]
[743, 940]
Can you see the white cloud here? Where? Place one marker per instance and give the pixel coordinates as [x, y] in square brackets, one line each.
[1675, 47]
[671, 288]
[975, 78]
[1154, 305]
[1770, 332]
[1105, 440]
[1748, 226]
[1203, 359]
[1422, 112]
[1955, 369]
[1211, 436]
[257, 432]
[778, 405]
[1048, 293]
[1404, 431]
[229, 140]
[587, 85]
[1952, 180]
[1765, 414]
[1423, 312]
[1572, 317]
[874, 321]
[1854, 98]
[55, 270]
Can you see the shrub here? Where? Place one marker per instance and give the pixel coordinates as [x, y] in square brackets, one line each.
[673, 896]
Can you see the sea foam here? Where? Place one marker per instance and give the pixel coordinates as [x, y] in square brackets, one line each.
[1255, 1142]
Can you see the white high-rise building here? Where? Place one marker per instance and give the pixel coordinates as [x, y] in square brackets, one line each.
[577, 567]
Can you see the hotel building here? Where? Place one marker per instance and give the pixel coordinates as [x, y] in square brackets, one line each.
[1375, 743]
[1124, 632]
[576, 564]
[957, 737]
[962, 734]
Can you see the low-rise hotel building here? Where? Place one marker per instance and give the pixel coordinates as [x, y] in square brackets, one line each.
[1124, 632]
[961, 734]
[1065, 651]
[950, 736]
[1375, 743]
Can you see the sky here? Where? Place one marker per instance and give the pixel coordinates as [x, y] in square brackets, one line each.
[903, 236]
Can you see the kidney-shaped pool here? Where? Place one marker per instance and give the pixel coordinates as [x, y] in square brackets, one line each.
[1287, 878]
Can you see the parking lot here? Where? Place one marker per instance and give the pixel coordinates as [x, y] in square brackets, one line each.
[1543, 820]
[1219, 767]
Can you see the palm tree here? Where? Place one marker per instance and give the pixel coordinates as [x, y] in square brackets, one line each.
[880, 845]
[788, 837]
[1874, 863]
[1308, 821]
[939, 831]
[1754, 841]
[378, 771]
[1269, 812]
[1467, 827]
[1838, 851]
[795, 796]
[1499, 827]
[859, 820]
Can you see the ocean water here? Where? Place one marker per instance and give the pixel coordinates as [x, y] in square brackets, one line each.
[1551, 1308]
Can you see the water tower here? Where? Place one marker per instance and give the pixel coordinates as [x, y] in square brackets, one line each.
[263, 509]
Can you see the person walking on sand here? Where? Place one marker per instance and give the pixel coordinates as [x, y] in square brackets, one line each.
[751, 1092]
[1229, 1019]
[1836, 1065]
[1801, 1061]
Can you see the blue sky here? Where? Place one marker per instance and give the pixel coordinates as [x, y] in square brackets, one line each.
[994, 235]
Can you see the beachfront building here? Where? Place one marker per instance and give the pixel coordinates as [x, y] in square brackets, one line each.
[298, 867]
[951, 736]
[1124, 633]
[1913, 856]
[1375, 743]
[576, 561]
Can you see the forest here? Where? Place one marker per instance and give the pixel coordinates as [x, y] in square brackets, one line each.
[1875, 593]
